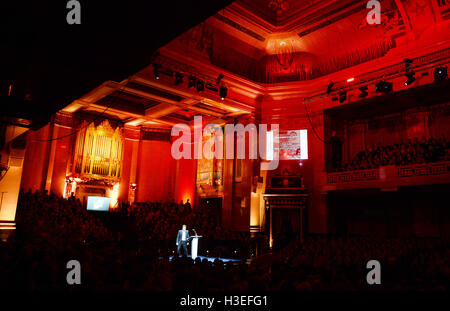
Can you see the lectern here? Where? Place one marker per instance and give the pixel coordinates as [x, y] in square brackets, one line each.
[194, 245]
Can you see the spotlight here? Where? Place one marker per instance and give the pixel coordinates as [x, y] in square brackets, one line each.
[364, 92]
[219, 78]
[200, 86]
[384, 87]
[223, 92]
[178, 78]
[156, 72]
[342, 96]
[440, 74]
[410, 76]
[407, 62]
[191, 81]
[330, 86]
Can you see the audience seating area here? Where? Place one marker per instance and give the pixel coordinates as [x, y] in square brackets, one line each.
[158, 223]
[407, 152]
[52, 230]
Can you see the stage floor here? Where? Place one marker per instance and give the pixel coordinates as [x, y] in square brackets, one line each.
[211, 259]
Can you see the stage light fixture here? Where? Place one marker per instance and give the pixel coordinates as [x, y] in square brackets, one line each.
[223, 92]
[407, 62]
[440, 74]
[156, 73]
[330, 87]
[178, 79]
[342, 96]
[219, 78]
[200, 85]
[384, 87]
[364, 92]
[191, 81]
[410, 75]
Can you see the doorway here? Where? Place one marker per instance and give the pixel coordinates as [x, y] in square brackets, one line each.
[213, 208]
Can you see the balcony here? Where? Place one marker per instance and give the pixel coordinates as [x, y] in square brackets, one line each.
[390, 177]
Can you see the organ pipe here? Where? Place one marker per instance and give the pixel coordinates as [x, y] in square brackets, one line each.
[98, 151]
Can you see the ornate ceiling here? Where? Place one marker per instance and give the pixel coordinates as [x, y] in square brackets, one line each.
[258, 44]
[306, 39]
[278, 12]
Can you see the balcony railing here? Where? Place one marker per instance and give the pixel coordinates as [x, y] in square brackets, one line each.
[353, 176]
[388, 173]
[430, 169]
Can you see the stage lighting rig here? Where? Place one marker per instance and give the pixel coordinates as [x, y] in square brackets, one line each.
[407, 62]
[440, 74]
[178, 78]
[219, 79]
[384, 87]
[200, 85]
[364, 92]
[192, 81]
[330, 87]
[223, 92]
[156, 72]
[342, 96]
[410, 75]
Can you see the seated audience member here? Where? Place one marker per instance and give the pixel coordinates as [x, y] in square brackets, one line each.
[413, 151]
[52, 230]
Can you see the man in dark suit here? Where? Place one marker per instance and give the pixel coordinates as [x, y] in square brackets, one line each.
[182, 240]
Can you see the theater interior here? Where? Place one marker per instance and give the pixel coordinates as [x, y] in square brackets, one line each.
[362, 118]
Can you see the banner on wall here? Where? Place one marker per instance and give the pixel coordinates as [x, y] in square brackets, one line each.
[294, 145]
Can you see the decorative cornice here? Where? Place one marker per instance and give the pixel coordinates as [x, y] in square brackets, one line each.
[239, 27]
[333, 20]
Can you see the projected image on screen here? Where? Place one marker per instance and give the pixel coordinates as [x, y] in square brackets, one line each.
[98, 204]
[294, 145]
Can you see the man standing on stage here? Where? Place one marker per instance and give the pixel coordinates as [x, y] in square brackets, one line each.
[182, 239]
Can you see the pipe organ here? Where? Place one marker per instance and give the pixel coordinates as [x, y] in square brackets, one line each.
[98, 151]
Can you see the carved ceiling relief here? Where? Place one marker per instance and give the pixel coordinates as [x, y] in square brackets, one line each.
[285, 54]
[279, 6]
[329, 46]
[420, 14]
[200, 38]
[391, 22]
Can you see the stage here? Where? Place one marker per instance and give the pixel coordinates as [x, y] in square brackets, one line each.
[211, 259]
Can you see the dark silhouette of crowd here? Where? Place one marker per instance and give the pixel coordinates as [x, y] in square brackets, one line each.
[159, 222]
[52, 230]
[339, 263]
[404, 153]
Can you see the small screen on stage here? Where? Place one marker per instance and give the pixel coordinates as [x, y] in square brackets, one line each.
[98, 204]
[294, 145]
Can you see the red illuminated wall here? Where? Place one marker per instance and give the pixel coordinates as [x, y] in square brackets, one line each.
[35, 158]
[186, 172]
[130, 157]
[155, 171]
[126, 167]
[46, 159]
[61, 158]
